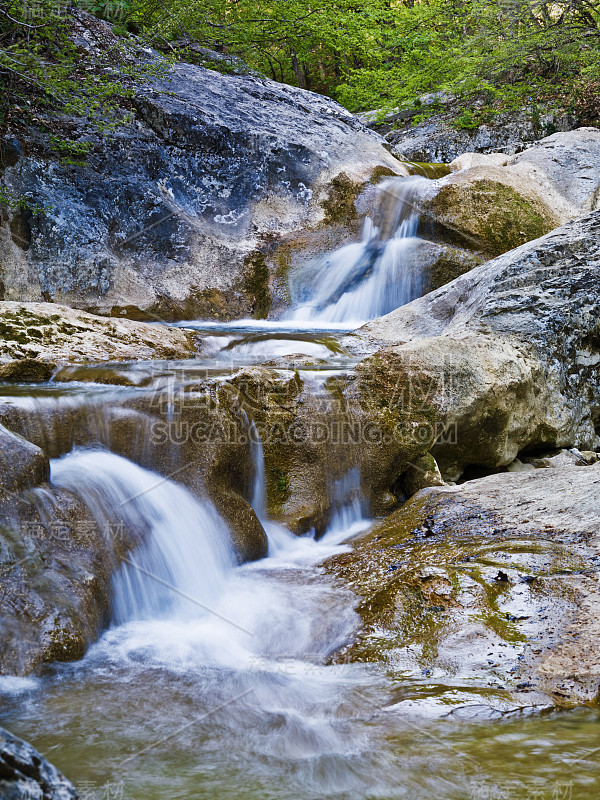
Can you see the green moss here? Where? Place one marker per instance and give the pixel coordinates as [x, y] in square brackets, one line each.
[495, 214]
[339, 206]
[379, 173]
[277, 487]
[257, 284]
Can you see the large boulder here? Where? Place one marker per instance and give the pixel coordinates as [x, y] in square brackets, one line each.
[55, 578]
[494, 203]
[484, 594]
[26, 775]
[505, 357]
[181, 211]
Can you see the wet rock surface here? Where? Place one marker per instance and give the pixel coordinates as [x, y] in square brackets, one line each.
[22, 464]
[27, 775]
[506, 355]
[56, 567]
[485, 589]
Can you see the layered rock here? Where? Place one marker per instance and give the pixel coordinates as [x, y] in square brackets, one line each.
[194, 207]
[34, 333]
[485, 593]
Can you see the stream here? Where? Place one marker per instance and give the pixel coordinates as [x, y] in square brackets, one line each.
[216, 680]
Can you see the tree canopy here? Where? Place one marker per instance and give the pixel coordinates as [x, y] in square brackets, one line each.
[365, 53]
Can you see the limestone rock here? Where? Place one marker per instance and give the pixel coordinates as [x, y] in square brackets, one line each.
[26, 370]
[570, 164]
[490, 585]
[22, 464]
[470, 160]
[423, 472]
[506, 354]
[492, 203]
[181, 212]
[25, 774]
[439, 139]
[45, 332]
[55, 578]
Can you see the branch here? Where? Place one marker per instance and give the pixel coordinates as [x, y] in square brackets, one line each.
[24, 24]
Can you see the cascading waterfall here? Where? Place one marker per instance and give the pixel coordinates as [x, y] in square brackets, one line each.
[370, 278]
[181, 566]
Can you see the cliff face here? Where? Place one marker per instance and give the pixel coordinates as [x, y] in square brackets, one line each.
[181, 212]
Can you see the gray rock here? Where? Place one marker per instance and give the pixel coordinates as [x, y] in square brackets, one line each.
[22, 464]
[572, 163]
[493, 203]
[176, 214]
[437, 139]
[36, 335]
[491, 585]
[510, 350]
[26, 775]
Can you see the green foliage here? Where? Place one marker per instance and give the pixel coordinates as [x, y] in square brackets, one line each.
[467, 120]
[382, 54]
[9, 199]
[43, 71]
[387, 54]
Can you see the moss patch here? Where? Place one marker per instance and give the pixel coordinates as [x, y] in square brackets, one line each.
[339, 206]
[494, 216]
[257, 284]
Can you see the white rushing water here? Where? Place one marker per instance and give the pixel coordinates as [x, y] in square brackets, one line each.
[179, 597]
[367, 279]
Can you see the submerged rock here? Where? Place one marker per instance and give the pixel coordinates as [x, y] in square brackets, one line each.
[26, 370]
[26, 775]
[488, 588]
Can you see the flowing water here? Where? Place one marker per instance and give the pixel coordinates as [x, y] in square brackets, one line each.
[370, 278]
[215, 680]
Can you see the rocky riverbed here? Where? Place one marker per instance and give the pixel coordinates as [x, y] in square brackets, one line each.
[455, 439]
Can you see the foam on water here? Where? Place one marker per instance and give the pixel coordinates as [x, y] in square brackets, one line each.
[179, 601]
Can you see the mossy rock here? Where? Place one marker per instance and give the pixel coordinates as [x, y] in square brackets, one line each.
[339, 206]
[489, 216]
[26, 370]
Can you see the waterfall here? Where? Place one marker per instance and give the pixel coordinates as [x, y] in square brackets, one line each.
[180, 569]
[370, 278]
[179, 600]
[348, 518]
[350, 514]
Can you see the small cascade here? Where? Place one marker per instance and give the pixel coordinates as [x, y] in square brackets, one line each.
[259, 489]
[348, 518]
[350, 512]
[370, 278]
[180, 569]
